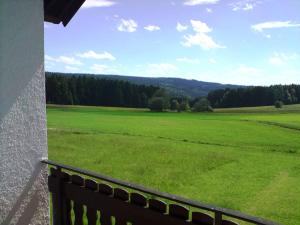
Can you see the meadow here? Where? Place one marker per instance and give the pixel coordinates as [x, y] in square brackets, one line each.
[246, 159]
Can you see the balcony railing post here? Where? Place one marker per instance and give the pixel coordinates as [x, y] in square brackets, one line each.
[59, 203]
[218, 218]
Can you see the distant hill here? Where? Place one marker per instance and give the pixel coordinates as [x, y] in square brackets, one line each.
[176, 86]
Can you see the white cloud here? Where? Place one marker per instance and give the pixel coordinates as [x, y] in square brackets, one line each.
[200, 27]
[99, 68]
[274, 24]
[128, 25]
[71, 69]
[212, 61]
[257, 76]
[181, 27]
[49, 58]
[97, 3]
[208, 10]
[188, 60]
[64, 59]
[244, 74]
[103, 69]
[247, 75]
[248, 7]
[275, 60]
[241, 74]
[246, 70]
[49, 65]
[199, 2]
[162, 69]
[93, 55]
[268, 36]
[289, 77]
[68, 60]
[201, 37]
[152, 28]
[245, 5]
[282, 58]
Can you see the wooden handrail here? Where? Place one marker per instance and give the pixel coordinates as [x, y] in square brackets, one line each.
[218, 211]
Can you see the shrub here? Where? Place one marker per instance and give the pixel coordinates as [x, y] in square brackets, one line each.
[202, 105]
[162, 94]
[184, 106]
[156, 104]
[174, 105]
[278, 104]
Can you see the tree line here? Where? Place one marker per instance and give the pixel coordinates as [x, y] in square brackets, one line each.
[161, 101]
[90, 90]
[95, 91]
[254, 96]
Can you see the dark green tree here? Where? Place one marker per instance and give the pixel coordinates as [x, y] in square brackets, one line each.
[184, 106]
[278, 104]
[163, 95]
[202, 105]
[174, 106]
[90, 90]
[156, 104]
[255, 96]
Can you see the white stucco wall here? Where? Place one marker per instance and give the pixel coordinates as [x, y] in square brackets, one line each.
[23, 140]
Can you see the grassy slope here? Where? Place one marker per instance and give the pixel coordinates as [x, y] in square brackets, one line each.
[244, 159]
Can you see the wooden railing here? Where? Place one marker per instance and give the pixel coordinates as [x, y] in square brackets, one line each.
[78, 200]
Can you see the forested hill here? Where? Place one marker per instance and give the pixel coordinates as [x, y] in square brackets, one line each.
[89, 90]
[255, 96]
[176, 86]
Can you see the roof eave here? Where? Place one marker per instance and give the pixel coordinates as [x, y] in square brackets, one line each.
[61, 11]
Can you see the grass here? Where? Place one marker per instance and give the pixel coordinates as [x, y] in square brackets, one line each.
[246, 159]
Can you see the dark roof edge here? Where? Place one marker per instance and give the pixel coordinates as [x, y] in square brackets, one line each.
[61, 11]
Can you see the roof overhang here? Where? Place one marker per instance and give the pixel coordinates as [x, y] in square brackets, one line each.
[61, 11]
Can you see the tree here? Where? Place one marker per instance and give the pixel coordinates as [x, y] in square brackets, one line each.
[184, 106]
[161, 93]
[278, 104]
[69, 89]
[156, 104]
[174, 105]
[202, 105]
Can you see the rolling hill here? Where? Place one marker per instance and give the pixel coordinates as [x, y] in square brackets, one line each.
[176, 86]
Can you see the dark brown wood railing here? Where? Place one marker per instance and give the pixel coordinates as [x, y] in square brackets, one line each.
[78, 200]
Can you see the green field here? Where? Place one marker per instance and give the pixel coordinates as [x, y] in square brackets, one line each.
[244, 159]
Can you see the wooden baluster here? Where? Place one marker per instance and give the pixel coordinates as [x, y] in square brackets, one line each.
[105, 217]
[202, 219]
[141, 201]
[59, 202]
[105, 189]
[178, 211]
[123, 196]
[91, 212]
[138, 199]
[218, 218]
[78, 208]
[68, 217]
[227, 222]
[66, 203]
[157, 205]
[54, 187]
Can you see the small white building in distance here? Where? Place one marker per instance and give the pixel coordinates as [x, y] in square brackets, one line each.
[23, 132]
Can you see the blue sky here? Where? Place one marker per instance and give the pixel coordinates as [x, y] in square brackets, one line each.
[251, 42]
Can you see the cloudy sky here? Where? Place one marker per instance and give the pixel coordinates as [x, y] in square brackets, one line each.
[253, 42]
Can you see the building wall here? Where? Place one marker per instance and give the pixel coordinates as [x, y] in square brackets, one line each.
[23, 133]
